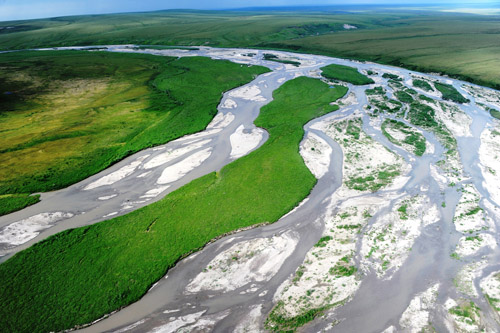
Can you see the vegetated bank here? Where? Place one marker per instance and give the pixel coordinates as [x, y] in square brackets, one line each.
[346, 74]
[77, 276]
[66, 115]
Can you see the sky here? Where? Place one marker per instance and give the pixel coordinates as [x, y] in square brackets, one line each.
[29, 9]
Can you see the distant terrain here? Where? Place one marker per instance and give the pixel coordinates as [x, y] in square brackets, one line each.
[461, 45]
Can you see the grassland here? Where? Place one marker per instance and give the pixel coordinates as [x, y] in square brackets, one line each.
[79, 275]
[460, 45]
[11, 202]
[450, 93]
[67, 115]
[346, 74]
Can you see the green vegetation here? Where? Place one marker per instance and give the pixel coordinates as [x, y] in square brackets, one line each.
[495, 113]
[450, 93]
[403, 96]
[460, 45]
[277, 322]
[77, 276]
[378, 98]
[349, 226]
[403, 214]
[424, 85]
[412, 138]
[11, 202]
[474, 211]
[494, 302]
[70, 114]
[424, 116]
[341, 269]
[468, 311]
[374, 181]
[272, 57]
[392, 77]
[346, 74]
[353, 130]
[323, 240]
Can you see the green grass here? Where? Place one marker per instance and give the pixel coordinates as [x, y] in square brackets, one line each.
[403, 214]
[424, 116]
[276, 322]
[11, 202]
[460, 45]
[450, 93]
[77, 276]
[346, 74]
[374, 181]
[392, 77]
[323, 241]
[69, 114]
[424, 85]
[495, 113]
[403, 96]
[341, 269]
[413, 138]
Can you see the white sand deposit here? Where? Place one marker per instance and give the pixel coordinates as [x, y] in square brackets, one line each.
[249, 93]
[153, 193]
[179, 170]
[484, 95]
[491, 287]
[470, 245]
[113, 177]
[256, 260]
[416, 317]
[196, 136]
[176, 323]
[489, 156]
[229, 104]
[172, 154]
[244, 141]
[464, 316]
[456, 120]
[20, 232]
[205, 323]
[347, 100]
[316, 154]
[107, 197]
[113, 213]
[144, 174]
[363, 156]
[469, 216]
[250, 322]
[221, 120]
[465, 278]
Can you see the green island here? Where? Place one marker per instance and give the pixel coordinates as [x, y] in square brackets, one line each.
[66, 115]
[450, 93]
[79, 275]
[346, 74]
